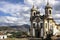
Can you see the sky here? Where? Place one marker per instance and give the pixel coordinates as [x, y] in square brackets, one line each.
[17, 12]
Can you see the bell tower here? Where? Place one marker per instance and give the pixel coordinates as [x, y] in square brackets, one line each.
[35, 22]
[48, 10]
[33, 11]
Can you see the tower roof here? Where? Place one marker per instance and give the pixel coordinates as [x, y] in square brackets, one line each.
[33, 8]
[48, 6]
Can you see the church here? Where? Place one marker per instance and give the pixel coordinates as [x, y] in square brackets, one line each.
[42, 25]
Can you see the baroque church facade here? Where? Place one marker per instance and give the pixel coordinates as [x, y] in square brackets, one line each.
[42, 25]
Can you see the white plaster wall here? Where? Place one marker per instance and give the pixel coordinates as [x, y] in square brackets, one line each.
[55, 31]
[33, 32]
[42, 32]
[3, 36]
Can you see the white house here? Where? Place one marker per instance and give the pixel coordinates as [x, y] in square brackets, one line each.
[3, 36]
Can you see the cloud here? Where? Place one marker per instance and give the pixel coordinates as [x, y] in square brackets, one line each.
[57, 21]
[39, 2]
[57, 6]
[27, 15]
[20, 13]
[12, 20]
[56, 16]
[7, 19]
[13, 1]
[13, 9]
[31, 2]
[52, 2]
[10, 8]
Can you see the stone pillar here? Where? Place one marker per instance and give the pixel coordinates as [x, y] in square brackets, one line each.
[41, 32]
[33, 32]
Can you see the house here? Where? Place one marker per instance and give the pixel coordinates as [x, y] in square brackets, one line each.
[3, 36]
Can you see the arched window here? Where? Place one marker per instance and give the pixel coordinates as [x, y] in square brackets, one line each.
[33, 24]
[49, 11]
[46, 25]
[41, 24]
[51, 29]
[34, 13]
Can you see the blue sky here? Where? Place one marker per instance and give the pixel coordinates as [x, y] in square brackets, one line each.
[17, 12]
[13, 1]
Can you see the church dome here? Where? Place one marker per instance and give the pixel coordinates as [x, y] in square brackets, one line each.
[48, 6]
[34, 8]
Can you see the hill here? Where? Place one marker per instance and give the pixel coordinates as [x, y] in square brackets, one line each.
[24, 27]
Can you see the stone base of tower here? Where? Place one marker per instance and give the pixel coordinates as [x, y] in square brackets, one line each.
[35, 38]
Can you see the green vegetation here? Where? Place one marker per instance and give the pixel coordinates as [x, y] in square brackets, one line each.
[17, 34]
[5, 28]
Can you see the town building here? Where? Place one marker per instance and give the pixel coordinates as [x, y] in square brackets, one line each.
[3, 36]
[42, 25]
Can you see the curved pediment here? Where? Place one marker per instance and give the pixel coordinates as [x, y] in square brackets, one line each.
[37, 19]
